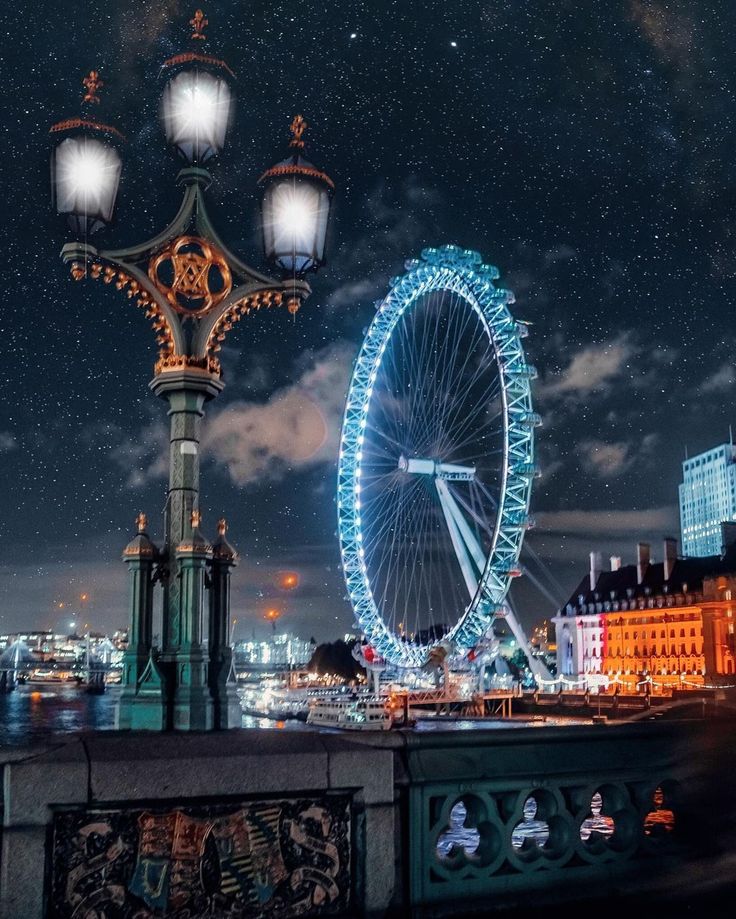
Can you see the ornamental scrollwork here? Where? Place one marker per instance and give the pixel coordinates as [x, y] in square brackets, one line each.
[192, 274]
[164, 335]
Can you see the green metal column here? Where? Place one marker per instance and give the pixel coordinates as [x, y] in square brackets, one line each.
[228, 712]
[140, 556]
[188, 701]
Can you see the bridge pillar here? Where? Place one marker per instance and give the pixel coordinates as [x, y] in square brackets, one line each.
[134, 709]
[228, 712]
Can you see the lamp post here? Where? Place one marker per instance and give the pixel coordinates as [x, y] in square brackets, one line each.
[193, 289]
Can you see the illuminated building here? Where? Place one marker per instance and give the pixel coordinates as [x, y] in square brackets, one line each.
[707, 499]
[670, 622]
[280, 650]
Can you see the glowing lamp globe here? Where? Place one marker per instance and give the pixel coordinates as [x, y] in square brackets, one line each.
[85, 175]
[197, 106]
[86, 167]
[295, 210]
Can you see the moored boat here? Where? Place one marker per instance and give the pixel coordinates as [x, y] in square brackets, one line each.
[367, 713]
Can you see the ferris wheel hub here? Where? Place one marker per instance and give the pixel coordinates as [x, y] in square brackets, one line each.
[450, 472]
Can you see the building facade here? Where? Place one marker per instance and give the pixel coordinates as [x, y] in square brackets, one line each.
[669, 624]
[283, 650]
[707, 499]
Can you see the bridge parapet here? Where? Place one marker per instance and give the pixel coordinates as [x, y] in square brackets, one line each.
[381, 824]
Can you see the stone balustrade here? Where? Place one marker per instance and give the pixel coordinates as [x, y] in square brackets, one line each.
[301, 823]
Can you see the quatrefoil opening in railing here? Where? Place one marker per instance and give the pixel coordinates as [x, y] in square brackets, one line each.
[541, 829]
[530, 833]
[192, 274]
[659, 822]
[598, 827]
[458, 837]
[470, 836]
[609, 823]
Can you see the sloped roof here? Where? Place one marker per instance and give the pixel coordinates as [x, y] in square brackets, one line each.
[615, 585]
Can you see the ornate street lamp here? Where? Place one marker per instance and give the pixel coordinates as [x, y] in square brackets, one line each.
[193, 289]
[197, 104]
[295, 209]
[86, 166]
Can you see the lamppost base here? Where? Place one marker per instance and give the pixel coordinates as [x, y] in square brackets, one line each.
[192, 709]
[140, 712]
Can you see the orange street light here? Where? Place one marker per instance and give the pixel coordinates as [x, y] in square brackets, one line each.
[288, 580]
[272, 615]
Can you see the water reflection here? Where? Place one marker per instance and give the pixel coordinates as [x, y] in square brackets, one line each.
[32, 712]
[37, 712]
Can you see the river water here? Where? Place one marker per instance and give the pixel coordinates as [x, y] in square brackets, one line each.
[38, 711]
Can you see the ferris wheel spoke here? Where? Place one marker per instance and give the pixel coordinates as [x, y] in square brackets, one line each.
[465, 390]
[391, 525]
[470, 425]
[378, 534]
[451, 379]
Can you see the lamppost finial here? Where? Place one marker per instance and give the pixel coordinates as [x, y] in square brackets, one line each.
[141, 522]
[196, 518]
[222, 526]
[92, 83]
[198, 23]
[298, 127]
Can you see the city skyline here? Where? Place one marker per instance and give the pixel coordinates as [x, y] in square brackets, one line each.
[601, 201]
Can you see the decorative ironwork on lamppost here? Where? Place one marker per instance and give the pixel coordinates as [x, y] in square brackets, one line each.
[193, 290]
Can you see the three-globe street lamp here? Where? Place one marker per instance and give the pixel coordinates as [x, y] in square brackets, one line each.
[193, 289]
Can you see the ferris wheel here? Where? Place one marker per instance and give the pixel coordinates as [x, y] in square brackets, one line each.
[436, 461]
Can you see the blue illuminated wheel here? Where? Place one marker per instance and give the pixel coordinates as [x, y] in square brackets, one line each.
[436, 459]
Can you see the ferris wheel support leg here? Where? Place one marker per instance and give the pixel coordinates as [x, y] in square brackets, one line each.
[461, 550]
[472, 545]
[536, 666]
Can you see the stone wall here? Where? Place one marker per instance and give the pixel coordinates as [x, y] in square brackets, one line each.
[301, 823]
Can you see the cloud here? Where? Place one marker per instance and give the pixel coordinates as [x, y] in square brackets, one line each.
[605, 460]
[671, 34]
[591, 371]
[721, 379]
[145, 459]
[608, 460]
[398, 223]
[560, 253]
[299, 425]
[602, 522]
[7, 442]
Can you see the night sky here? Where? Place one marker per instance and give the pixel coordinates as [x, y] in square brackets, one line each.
[585, 148]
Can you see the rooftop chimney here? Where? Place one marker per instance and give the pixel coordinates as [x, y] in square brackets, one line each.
[670, 556]
[642, 560]
[615, 562]
[596, 566]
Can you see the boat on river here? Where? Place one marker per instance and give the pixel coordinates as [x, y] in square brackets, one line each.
[353, 714]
